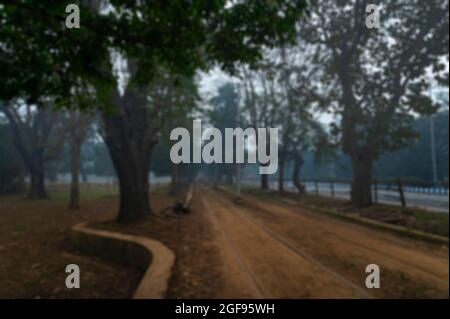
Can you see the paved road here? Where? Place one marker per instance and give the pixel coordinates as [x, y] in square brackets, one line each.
[279, 251]
[432, 202]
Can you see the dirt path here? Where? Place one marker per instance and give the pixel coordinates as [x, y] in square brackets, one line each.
[282, 251]
[272, 267]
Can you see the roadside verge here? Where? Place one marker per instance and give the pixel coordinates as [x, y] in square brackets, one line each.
[397, 230]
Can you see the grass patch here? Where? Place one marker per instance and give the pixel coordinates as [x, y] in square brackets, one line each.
[86, 191]
[96, 191]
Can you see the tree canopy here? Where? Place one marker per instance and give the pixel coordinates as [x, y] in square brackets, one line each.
[39, 56]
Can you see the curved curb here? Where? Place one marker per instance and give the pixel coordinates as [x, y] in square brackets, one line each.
[144, 253]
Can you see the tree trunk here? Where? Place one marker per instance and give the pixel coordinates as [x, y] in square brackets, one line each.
[362, 157]
[264, 182]
[21, 180]
[84, 176]
[361, 195]
[229, 178]
[298, 163]
[174, 183]
[74, 202]
[134, 200]
[37, 182]
[130, 137]
[31, 138]
[133, 187]
[281, 174]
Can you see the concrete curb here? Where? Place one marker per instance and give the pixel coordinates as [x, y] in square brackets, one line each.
[148, 255]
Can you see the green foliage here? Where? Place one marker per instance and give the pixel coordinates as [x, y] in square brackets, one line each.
[39, 57]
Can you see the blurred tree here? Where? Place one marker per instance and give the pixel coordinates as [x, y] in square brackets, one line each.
[32, 129]
[258, 105]
[224, 115]
[78, 125]
[376, 79]
[395, 164]
[160, 161]
[287, 99]
[102, 164]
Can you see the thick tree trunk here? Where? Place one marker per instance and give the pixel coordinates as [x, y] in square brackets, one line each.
[134, 188]
[132, 166]
[298, 163]
[134, 200]
[361, 195]
[74, 202]
[130, 138]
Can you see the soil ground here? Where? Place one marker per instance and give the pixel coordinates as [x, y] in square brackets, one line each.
[35, 249]
[198, 270]
[411, 217]
[409, 269]
[266, 248]
[262, 247]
